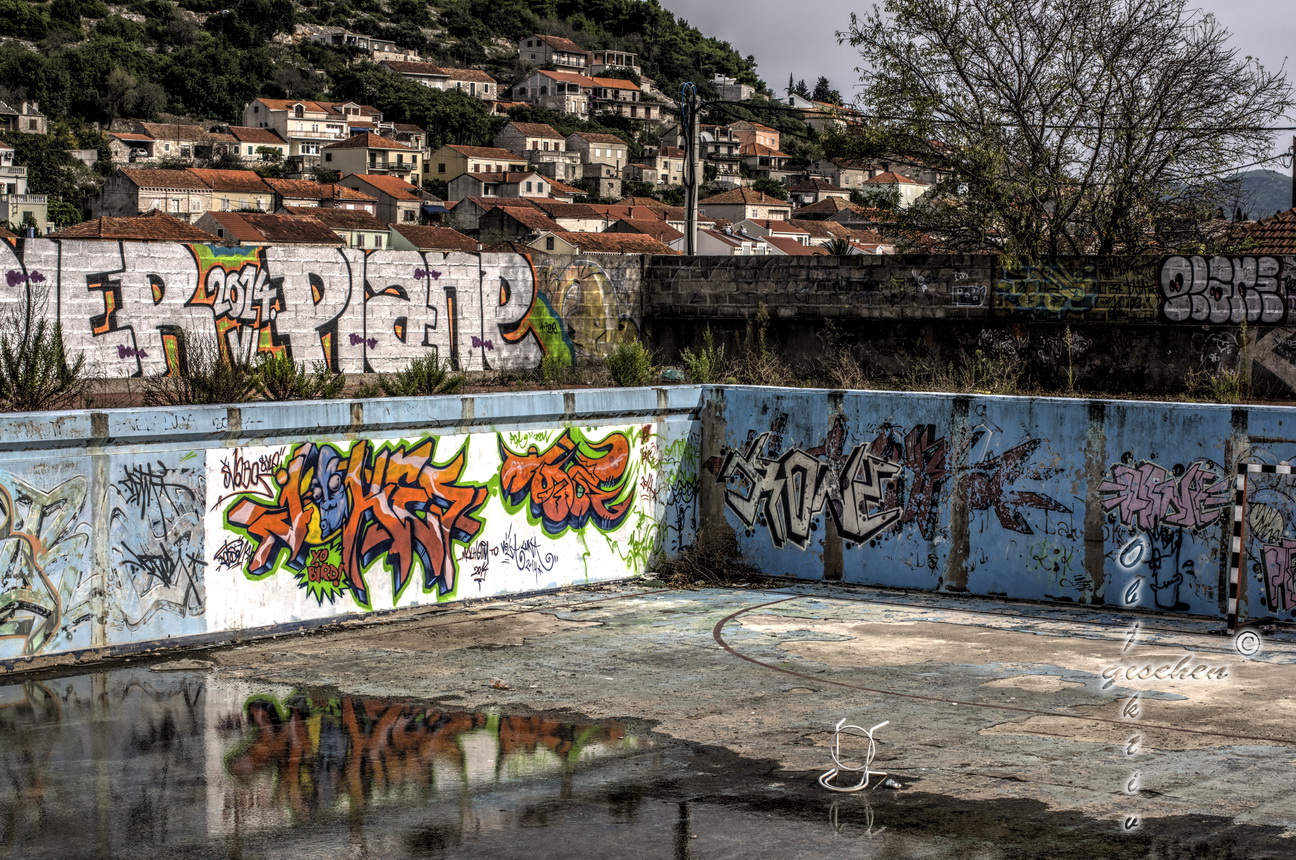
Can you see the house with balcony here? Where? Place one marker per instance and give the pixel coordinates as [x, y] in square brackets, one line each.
[382, 50]
[308, 126]
[621, 98]
[17, 207]
[474, 82]
[560, 91]
[543, 147]
[602, 61]
[373, 154]
[398, 202]
[541, 51]
[760, 162]
[453, 160]
[905, 190]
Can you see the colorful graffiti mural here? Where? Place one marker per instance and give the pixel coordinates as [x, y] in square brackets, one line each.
[572, 482]
[131, 307]
[337, 510]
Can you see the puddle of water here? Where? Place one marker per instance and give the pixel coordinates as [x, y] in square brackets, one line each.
[133, 763]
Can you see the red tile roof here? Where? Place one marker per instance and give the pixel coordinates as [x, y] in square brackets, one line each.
[659, 230]
[339, 219]
[792, 247]
[558, 43]
[532, 218]
[245, 181]
[154, 227]
[537, 129]
[146, 177]
[492, 152]
[469, 75]
[435, 238]
[305, 189]
[292, 229]
[367, 140]
[597, 137]
[235, 227]
[247, 134]
[1273, 235]
[890, 178]
[745, 196]
[777, 225]
[392, 186]
[613, 243]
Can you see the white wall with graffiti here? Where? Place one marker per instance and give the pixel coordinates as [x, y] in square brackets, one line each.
[1116, 503]
[122, 530]
[124, 305]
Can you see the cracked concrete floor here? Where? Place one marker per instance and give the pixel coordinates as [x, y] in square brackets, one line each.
[997, 711]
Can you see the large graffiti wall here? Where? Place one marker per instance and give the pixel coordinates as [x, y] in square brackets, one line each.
[126, 530]
[1122, 504]
[125, 305]
[318, 529]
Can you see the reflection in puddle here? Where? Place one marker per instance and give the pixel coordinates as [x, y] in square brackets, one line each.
[303, 755]
[128, 762]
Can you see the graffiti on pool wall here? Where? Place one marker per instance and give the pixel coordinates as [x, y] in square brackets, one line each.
[1153, 510]
[44, 563]
[1222, 290]
[882, 485]
[336, 512]
[894, 480]
[1271, 538]
[571, 482]
[156, 539]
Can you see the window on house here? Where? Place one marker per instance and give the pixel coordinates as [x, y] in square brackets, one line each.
[544, 91]
[441, 167]
[299, 111]
[328, 156]
[549, 243]
[175, 205]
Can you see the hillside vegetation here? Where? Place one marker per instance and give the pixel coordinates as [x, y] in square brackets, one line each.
[93, 62]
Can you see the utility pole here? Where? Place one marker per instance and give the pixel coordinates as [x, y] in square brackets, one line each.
[692, 139]
[1293, 187]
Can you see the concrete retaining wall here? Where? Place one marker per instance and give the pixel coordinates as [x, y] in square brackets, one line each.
[129, 530]
[1121, 503]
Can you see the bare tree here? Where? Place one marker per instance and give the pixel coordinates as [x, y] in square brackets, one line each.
[1066, 126]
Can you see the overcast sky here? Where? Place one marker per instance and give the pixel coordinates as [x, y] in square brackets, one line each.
[799, 38]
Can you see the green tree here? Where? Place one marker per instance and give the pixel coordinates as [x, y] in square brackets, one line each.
[772, 187]
[1065, 126]
[823, 92]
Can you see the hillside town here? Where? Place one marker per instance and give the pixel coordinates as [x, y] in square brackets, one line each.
[342, 174]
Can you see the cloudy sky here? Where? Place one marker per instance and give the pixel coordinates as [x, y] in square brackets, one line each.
[799, 38]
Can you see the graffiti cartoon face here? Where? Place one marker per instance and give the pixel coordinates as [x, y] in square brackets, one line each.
[328, 492]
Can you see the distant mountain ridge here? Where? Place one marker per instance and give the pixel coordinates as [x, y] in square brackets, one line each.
[1262, 193]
